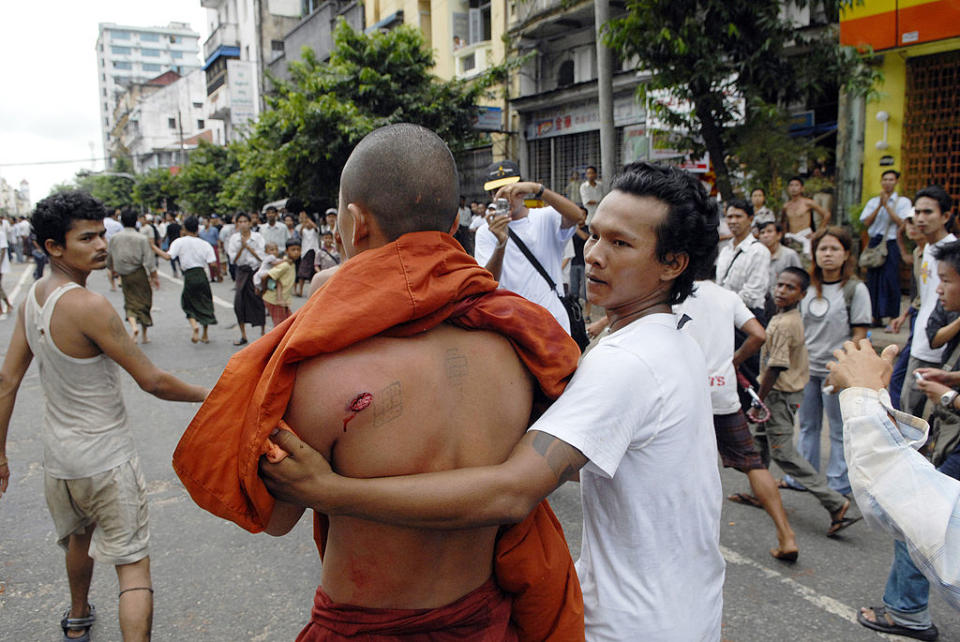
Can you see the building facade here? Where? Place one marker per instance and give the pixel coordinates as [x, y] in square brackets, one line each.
[128, 55]
[15, 201]
[913, 125]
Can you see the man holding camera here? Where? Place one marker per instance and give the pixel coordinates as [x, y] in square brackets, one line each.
[544, 227]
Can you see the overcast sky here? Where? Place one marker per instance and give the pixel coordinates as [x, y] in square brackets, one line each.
[49, 107]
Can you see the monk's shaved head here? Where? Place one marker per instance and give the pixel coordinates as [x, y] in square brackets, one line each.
[405, 176]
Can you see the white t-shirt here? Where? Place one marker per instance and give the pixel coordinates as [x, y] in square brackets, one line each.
[714, 312]
[881, 225]
[112, 226]
[255, 243]
[540, 231]
[4, 245]
[650, 565]
[23, 228]
[309, 239]
[590, 192]
[193, 252]
[928, 282]
[826, 324]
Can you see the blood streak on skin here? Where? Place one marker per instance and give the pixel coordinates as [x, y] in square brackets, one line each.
[361, 401]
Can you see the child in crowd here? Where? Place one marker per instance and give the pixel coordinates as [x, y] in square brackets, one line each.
[271, 259]
[280, 280]
[784, 371]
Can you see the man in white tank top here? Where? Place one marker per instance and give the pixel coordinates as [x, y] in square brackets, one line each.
[89, 458]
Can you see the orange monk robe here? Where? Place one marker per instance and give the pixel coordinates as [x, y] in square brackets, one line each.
[401, 289]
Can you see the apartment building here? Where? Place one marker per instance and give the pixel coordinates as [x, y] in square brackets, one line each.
[128, 54]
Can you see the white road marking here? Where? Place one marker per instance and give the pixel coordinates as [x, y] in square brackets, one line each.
[216, 299]
[823, 602]
[27, 272]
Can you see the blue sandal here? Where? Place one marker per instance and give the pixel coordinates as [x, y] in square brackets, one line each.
[68, 623]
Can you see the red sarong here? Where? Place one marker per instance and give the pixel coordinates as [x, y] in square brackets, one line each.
[482, 615]
[401, 289]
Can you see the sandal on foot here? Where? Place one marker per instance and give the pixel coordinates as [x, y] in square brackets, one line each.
[884, 625]
[68, 623]
[783, 485]
[745, 499]
[837, 525]
[789, 556]
[240, 342]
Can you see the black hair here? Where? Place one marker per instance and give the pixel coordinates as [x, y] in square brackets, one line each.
[741, 204]
[242, 215]
[890, 171]
[938, 194]
[128, 217]
[293, 205]
[271, 208]
[415, 185]
[292, 242]
[800, 273]
[796, 178]
[227, 218]
[948, 253]
[54, 216]
[759, 189]
[708, 269]
[191, 224]
[593, 167]
[761, 226]
[690, 226]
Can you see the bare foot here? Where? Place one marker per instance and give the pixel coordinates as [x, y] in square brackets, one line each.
[135, 334]
[196, 336]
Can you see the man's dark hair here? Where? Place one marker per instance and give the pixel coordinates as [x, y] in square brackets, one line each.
[292, 242]
[241, 215]
[271, 208]
[948, 253]
[796, 178]
[741, 204]
[762, 226]
[690, 226]
[593, 167]
[800, 273]
[759, 189]
[128, 217]
[405, 176]
[938, 194]
[890, 171]
[227, 218]
[294, 205]
[708, 269]
[191, 224]
[54, 216]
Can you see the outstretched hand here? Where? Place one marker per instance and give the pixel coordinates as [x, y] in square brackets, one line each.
[858, 366]
[297, 479]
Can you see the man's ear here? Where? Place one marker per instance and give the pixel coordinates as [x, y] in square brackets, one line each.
[361, 224]
[53, 248]
[673, 266]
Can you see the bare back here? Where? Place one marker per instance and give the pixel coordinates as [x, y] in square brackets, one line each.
[449, 398]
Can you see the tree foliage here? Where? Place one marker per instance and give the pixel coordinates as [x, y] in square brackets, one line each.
[300, 144]
[199, 183]
[114, 189]
[731, 61]
[156, 189]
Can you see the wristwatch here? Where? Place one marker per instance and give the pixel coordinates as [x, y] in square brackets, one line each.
[946, 399]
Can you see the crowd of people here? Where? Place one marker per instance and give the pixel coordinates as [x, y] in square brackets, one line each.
[452, 432]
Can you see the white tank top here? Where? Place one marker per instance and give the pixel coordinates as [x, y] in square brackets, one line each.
[85, 423]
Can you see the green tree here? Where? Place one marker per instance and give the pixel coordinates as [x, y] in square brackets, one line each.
[299, 145]
[202, 180]
[156, 189]
[113, 188]
[729, 61]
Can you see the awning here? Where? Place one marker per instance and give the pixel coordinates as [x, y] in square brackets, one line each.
[225, 51]
[389, 21]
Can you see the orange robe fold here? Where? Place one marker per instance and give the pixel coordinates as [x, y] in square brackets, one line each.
[401, 289]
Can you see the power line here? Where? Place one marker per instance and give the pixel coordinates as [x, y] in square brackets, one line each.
[56, 162]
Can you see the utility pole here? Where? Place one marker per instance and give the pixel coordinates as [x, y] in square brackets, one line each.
[180, 125]
[608, 156]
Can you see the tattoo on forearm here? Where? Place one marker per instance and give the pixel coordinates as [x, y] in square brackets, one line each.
[388, 404]
[456, 368]
[553, 451]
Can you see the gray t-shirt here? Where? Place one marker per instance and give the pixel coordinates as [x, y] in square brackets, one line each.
[786, 257]
[826, 324]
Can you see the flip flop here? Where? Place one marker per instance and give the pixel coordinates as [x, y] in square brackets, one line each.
[837, 525]
[745, 499]
[783, 485]
[880, 612]
[790, 556]
[240, 342]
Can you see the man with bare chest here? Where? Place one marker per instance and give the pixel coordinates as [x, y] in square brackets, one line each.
[797, 216]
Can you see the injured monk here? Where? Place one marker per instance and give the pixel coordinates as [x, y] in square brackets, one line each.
[408, 359]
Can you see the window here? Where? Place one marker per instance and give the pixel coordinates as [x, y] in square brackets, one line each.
[176, 54]
[104, 92]
[104, 76]
[106, 107]
[101, 47]
[175, 39]
[149, 37]
[120, 51]
[565, 74]
[198, 105]
[120, 35]
[200, 123]
[172, 122]
[117, 64]
[103, 63]
[106, 121]
[151, 67]
[276, 46]
[118, 80]
[150, 53]
[479, 21]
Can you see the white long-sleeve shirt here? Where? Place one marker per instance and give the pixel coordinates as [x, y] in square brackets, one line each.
[745, 269]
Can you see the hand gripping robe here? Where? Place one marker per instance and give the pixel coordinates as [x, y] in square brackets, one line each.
[401, 289]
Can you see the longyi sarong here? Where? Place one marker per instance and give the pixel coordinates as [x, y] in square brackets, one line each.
[306, 269]
[482, 615]
[247, 304]
[196, 298]
[137, 296]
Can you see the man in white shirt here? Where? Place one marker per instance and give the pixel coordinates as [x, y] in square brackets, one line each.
[931, 212]
[591, 192]
[883, 217]
[246, 250]
[273, 231]
[630, 422]
[463, 234]
[544, 231]
[744, 267]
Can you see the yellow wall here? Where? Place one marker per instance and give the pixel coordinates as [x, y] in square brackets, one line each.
[892, 99]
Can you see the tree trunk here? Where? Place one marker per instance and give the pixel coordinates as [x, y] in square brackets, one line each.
[713, 141]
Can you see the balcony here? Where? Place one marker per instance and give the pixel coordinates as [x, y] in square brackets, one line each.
[211, 4]
[224, 35]
[473, 59]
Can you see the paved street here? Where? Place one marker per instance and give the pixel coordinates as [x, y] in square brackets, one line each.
[215, 582]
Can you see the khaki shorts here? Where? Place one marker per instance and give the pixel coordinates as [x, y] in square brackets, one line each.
[114, 502]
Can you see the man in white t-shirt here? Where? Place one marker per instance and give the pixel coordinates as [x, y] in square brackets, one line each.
[591, 191]
[932, 213]
[544, 231]
[710, 316]
[633, 422]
